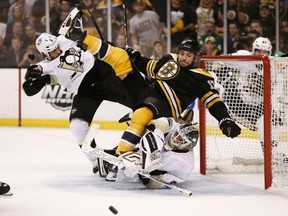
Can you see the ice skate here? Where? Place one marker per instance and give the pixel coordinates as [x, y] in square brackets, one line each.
[112, 174]
[72, 27]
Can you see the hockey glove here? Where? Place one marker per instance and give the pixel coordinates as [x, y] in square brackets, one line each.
[229, 127]
[133, 54]
[33, 72]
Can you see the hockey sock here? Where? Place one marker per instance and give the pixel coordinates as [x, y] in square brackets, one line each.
[139, 120]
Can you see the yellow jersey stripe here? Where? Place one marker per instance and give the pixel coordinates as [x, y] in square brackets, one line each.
[172, 98]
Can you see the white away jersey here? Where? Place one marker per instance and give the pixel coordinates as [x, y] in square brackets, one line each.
[71, 66]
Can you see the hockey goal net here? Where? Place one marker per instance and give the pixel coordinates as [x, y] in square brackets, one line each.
[255, 90]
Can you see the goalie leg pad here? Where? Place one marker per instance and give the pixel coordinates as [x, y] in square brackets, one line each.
[150, 146]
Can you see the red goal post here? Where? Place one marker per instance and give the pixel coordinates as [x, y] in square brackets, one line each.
[253, 88]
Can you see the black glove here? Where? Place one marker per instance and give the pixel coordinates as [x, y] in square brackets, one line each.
[33, 72]
[133, 54]
[229, 127]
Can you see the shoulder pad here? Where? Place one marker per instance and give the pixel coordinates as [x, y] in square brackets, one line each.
[202, 72]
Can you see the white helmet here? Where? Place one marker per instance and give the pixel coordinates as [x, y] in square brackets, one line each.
[262, 43]
[46, 43]
[183, 138]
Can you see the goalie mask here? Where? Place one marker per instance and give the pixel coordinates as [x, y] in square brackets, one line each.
[46, 43]
[183, 138]
[262, 43]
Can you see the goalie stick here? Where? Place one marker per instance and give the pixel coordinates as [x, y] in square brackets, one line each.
[118, 161]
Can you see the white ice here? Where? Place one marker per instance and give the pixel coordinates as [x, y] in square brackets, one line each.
[50, 176]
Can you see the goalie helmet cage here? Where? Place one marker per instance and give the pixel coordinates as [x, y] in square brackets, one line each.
[253, 88]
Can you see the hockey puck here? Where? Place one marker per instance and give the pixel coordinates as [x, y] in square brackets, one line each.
[113, 210]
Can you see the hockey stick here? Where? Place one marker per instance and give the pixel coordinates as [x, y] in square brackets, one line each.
[169, 185]
[118, 162]
[93, 20]
[125, 25]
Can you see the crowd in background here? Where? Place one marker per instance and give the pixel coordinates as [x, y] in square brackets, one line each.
[21, 21]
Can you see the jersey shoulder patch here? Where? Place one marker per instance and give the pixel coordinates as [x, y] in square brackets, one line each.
[168, 70]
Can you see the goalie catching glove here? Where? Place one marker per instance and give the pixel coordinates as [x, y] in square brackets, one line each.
[229, 127]
[33, 72]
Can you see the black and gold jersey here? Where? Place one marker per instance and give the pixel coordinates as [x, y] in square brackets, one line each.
[182, 86]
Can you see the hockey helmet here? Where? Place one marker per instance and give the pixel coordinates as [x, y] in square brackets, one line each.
[190, 45]
[46, 43]
[262, 43]
[184, 138]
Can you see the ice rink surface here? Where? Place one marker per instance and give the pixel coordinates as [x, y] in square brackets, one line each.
[50, 176]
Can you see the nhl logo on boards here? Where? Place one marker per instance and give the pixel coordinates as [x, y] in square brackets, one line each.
[57, 97]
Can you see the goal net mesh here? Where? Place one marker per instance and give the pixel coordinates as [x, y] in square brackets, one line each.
[240, 82]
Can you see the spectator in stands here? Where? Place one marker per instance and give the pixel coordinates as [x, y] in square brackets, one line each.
[257, 26]
[65, 5]
[248, 10]
[30, 57]
[30, 35]
[120, 40]
[3, 50]
[204, 13]
[233, 34]
[210, 47]
[26, 4]
[17, 32]
[15, 54]
[54, 11]
[138, 48]
[158, 50]
[4, 8]
[210, 31]
[17, 16]
[145, 27]
[232, 10]
[158, 6]
[183, 23]
[268, 22]
[37, 18]
[219, 16]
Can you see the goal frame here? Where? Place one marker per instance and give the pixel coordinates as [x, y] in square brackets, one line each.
[267, 114]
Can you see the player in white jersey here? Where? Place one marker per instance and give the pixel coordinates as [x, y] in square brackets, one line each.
[166, 152]
[79, 72]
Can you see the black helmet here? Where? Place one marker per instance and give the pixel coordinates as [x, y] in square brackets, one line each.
[190, 45]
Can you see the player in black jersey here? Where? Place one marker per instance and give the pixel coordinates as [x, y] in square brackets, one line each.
[180, 83]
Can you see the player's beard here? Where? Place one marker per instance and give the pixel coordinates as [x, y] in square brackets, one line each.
[184, 64]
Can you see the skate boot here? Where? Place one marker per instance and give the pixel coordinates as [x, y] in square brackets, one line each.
[72, 27]
[112, 173]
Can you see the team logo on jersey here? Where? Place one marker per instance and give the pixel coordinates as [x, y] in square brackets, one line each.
[71, 60]
[168, 71]
[58, 98]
